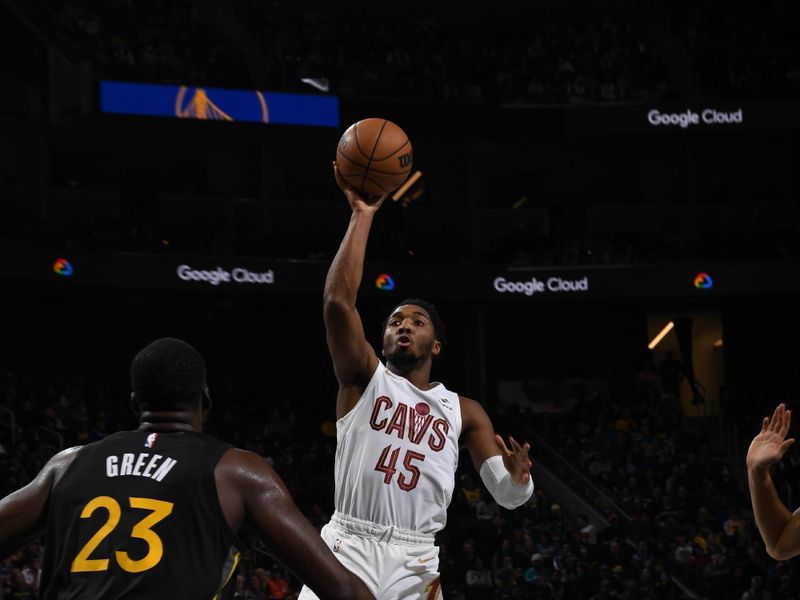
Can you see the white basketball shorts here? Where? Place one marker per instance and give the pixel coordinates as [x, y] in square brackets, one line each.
[394, 564]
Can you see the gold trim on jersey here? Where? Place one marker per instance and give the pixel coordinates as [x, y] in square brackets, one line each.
[231, 559]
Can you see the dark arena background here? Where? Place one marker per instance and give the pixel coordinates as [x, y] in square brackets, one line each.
[586, 177]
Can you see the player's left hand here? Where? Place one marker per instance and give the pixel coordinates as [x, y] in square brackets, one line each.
[516, 460]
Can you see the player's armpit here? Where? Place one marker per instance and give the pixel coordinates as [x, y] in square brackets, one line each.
[23, 513]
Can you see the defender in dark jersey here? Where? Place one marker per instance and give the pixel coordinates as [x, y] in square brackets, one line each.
[153, 513]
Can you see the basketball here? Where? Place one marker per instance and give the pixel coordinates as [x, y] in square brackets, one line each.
[374, 156]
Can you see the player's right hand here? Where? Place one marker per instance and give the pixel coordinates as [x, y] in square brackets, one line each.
[769, 446]
[357, 202]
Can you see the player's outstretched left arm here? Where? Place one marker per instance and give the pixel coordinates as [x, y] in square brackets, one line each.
[23, 513]
[506, 472]
[779, 528]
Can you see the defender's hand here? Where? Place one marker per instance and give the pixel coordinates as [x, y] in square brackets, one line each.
[769, 446]
[516, 460]
[357, 202]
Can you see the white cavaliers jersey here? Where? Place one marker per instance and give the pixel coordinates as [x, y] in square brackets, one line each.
[397, 453]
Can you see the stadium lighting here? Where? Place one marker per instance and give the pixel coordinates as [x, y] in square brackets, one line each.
[322, 84]
[654, 342]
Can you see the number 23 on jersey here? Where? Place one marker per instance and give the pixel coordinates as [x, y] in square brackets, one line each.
[159, 510]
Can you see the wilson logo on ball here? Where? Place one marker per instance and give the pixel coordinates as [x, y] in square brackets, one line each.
[374, 157]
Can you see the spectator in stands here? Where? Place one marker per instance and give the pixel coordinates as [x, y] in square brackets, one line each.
[479, 582]
[756, 590]
[277, 586]
[785, 591]
[253, 589]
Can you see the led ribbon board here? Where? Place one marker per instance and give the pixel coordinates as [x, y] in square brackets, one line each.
[216, 104]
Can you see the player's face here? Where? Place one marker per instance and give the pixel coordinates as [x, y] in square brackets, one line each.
[409, 336]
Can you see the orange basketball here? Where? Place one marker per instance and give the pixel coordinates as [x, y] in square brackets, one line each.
[374, 156]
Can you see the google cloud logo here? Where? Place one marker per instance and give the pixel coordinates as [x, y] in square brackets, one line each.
[703, 281]
[384, 282]
[62, 267]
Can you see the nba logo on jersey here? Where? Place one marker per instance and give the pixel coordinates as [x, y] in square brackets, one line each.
[151, 440]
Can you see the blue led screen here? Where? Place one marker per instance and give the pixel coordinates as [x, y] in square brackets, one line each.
[216, 104]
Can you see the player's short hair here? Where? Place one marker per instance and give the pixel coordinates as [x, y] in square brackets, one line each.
[436, 319]
[168, 374]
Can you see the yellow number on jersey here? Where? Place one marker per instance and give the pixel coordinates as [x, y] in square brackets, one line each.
[82, 562]
[160, 510]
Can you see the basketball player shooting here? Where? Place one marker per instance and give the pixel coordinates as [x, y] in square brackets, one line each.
[398, 433]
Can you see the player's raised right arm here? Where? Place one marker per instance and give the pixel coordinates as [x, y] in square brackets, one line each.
[354, 360]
